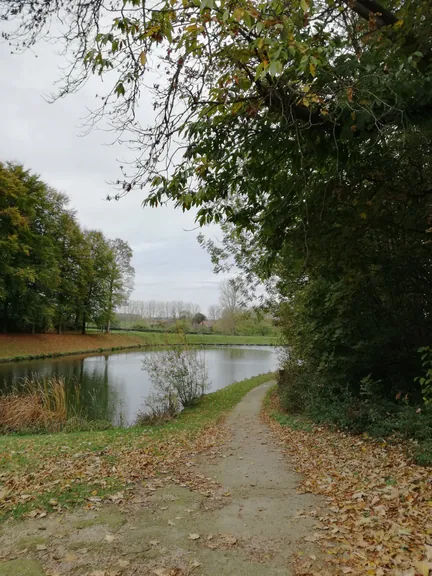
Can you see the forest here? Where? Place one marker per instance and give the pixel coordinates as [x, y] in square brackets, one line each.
[53, 274]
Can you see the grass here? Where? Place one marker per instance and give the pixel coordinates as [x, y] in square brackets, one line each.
[293, 421]
[40, 405]
[65, 469]
[37, 404]
[17, 347]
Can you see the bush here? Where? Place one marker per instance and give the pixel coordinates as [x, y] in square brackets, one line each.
[179, 379]
[301, 391]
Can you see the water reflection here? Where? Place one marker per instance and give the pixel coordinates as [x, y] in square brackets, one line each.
[114, 386]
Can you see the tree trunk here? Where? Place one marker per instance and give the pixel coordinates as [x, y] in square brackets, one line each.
[83, 327]
[108, 324]
[5, 317]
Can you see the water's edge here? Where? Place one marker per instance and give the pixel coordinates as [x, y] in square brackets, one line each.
[113, 349]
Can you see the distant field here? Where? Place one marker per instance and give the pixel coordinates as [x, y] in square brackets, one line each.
[20, 346]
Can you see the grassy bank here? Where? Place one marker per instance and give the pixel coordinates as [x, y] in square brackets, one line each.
[17, 347]
[57, 471]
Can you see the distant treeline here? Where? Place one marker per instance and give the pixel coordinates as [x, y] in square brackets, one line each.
[53, 274]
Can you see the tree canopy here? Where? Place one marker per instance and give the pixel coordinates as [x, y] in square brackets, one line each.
[52, 273]
[304, 128]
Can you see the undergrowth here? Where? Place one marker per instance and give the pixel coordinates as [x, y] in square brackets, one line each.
[369, 414]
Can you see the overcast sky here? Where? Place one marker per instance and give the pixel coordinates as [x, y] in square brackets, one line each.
[169, 263]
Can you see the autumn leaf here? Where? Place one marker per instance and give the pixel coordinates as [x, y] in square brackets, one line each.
[143, 58]
[423, 568]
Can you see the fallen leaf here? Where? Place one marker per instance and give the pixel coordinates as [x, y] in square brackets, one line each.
[41, 547]
[171, 523]
[109, 538]
[423, 568]
[154, 542]
[195, 564]
[193, 536]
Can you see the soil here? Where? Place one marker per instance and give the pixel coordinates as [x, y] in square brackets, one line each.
[252, 522]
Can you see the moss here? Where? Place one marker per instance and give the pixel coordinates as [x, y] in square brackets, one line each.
[22, 567]
[111, 518]
[30, 542]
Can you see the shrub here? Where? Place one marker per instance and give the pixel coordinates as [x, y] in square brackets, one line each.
[179, 379]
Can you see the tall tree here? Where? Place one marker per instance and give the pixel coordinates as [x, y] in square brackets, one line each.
[120, 278]
[97, 262]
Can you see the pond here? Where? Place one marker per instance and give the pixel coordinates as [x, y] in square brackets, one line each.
[113, 386]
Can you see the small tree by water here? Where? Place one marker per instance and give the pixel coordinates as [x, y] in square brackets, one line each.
[179, 378]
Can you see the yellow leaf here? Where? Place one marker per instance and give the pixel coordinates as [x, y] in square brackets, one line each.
[238, 14]
[363, 215]
[304, 5]
[143, 58]
[312, 68]
[423, 568]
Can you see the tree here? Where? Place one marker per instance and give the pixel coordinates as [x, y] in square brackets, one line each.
[51, 273]
[120, 278]
[198, 318]
[230, 303]
[214, 312]
[97, 264]
[29, 268]
[305, 130]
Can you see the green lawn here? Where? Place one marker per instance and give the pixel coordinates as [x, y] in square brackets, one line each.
[213, 339]
[68, 468]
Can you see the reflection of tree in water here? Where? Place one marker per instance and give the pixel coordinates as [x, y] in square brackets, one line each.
[88, 389]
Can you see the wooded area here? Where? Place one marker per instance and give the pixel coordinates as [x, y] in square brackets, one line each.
[53, 274]
[307, 131]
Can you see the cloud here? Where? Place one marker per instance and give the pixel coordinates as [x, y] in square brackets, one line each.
[169, 263]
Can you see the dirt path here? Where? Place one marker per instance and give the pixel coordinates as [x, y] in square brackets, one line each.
[247, 525]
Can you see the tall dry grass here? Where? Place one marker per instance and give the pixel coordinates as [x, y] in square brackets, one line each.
[34, 404]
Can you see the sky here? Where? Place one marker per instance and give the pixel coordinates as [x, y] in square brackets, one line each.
[47, 138]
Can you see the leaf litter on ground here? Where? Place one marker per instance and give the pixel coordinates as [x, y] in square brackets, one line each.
[378, 519]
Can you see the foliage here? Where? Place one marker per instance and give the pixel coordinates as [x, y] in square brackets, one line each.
[426, 381]
[52, 274]
[304, 128]
[303, 393]
[198, 318]
[179, 378]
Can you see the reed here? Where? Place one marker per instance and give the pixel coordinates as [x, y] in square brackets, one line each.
[34, 404]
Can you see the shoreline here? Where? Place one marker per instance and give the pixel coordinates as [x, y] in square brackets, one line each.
[134, 346]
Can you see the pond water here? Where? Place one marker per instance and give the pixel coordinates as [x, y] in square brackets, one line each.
[113, 386]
